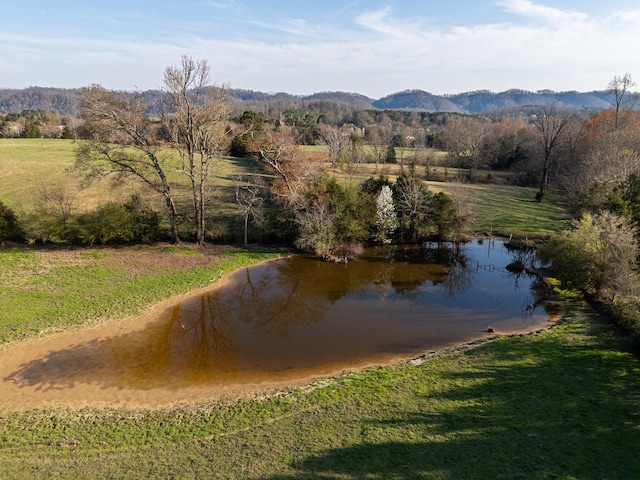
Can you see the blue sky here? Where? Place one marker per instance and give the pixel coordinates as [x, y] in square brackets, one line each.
[366, 46]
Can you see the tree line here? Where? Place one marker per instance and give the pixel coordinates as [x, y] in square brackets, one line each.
[592, 157]
[292, 187]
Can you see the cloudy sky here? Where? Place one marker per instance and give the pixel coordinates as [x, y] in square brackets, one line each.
[371, 47]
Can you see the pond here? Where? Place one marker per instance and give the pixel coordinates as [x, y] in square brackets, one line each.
[300, 317]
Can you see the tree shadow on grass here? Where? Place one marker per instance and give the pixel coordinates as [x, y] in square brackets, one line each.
[552, 408]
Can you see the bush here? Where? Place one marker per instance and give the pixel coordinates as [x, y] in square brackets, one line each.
[9, 229]
[598, 255]
[121, 223]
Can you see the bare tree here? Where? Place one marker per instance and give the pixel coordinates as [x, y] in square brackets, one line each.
[197, 122]
[619, 88]
[412, 201]
[317, 228]
[250, 200]
[379, 141]
[122, 143]
[294, 170]
[464, 137]
[553, 124]
[336, 139]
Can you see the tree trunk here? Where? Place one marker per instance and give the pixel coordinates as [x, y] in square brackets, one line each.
[171, 208]
[246, 227]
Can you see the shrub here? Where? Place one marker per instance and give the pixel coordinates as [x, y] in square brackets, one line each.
[598, 255]
[121, 223]
[9, 229]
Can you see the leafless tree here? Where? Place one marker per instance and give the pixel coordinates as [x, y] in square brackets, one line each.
[623, 98]
[122, 143]
[553, 124]
[379, 140]
[463, 207]
[464, 137]
[295, 171]
[336, 139]
[196, 119]
[316, 227]
[250, 199]
[412, 201]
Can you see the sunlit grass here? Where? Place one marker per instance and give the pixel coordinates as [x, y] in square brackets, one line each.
[504, 210]
[42, 291]
[563, 403]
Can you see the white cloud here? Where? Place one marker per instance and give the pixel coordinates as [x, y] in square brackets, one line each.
[530, 9]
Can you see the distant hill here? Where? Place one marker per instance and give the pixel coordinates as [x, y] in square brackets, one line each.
[485, 101]
[59, 100]
[417, 100]
[350, 98]
[64, 101]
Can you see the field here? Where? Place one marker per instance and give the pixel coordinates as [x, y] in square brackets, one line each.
[28, 164]
[561, 403]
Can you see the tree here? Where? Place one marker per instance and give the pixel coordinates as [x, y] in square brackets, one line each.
[606, 157]
[8, 223]
[248, 127]
[598, 255]
[250, 200]
[387, 221]
[336, 139]
[122, 143]
[552, 124]
[619, 88]
[507, 144]
[53, 218]
[464, 137]
[196, 122]
[317, 227]
[295, 171]
[412, 201]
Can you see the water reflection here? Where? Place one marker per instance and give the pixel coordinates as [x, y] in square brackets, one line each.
[300, 316]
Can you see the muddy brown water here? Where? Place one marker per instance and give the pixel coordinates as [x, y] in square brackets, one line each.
[283, 321]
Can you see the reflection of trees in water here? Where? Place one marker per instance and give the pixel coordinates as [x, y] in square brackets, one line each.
[460, 276]
[202, 333]
[405, 268]
[277, 299]
[203, 337]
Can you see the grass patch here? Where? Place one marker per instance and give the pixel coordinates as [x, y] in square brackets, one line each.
[42, 291]
[507, 210]
[564, 403]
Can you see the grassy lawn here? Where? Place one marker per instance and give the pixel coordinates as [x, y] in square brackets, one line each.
[43, 291]
[563, 403]
[26, 164]
[504, 210]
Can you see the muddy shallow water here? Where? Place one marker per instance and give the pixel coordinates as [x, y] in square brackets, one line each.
[280, 323]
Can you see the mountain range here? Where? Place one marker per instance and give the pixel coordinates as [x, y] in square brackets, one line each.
[64, 101]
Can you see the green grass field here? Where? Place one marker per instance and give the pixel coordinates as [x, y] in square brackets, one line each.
[25, 164]
[563, 403]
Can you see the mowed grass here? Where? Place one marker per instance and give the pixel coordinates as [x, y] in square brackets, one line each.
[28, 164]
[504, 210]
[563, 403]
[43, 291]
